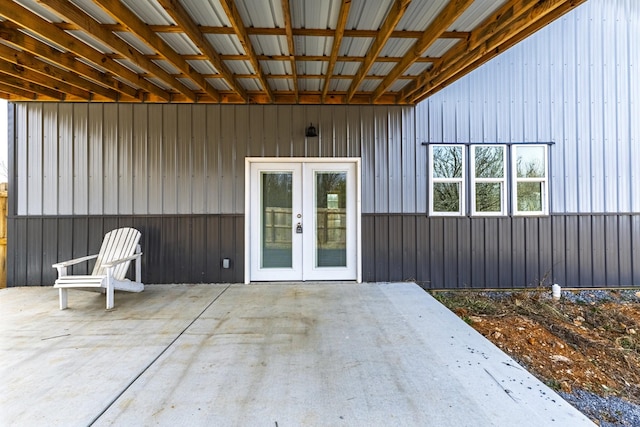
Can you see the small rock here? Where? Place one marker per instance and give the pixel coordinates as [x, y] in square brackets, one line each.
[560, 358]
[496, 335]
[631, 331]
[638, 294]
[475, 319]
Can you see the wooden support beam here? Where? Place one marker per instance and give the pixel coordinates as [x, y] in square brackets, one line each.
[182, 18]
[395, 14]
[27, 19]
[43, 80]
[19, 92]
[521, 26]
[498, 21]
[20, 83]
[337, 41]
[66, 61]
[85, 22]
[447, 16]
[286, 10]
[309, 32]
[233, 15]
[29, 61]
[119, 12]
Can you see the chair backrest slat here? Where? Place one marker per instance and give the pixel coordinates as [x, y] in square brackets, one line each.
[117, 244]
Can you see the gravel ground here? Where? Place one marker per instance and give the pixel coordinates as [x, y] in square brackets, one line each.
[610, 411]
[604, 409]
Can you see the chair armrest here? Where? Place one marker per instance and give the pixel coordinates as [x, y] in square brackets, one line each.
[74, 261]
[120, 261]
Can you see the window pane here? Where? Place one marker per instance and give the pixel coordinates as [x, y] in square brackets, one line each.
[447, 162]
[446, 197]
[530, 162]
[488, 197]
[529, 196]
[489, 162]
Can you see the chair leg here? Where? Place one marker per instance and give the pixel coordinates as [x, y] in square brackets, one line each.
[63, 298]
[109, 292]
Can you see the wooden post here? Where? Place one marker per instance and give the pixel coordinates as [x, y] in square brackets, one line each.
[3, 234]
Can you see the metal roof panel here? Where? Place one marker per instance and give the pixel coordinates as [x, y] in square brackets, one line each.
[206, 12]
[475, 14]
[149, 11]
[226, 44]
[180, 43]
[420, 14]
[203, 67]
[397, 48]
[269, 45]
[368, 14]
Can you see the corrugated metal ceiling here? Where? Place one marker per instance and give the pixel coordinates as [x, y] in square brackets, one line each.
[256, 51]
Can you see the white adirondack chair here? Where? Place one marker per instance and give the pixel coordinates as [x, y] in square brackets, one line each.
[118, 249]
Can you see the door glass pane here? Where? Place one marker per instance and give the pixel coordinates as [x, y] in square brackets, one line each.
[331, 219]
[276, 219]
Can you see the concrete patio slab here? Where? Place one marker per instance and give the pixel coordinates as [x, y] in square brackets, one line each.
[259, 355]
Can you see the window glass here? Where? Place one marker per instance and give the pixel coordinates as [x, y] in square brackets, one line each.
[489, 162]
[447, 189]
[446, 197]
[447, 161]
[489, 197]
[529, 196]
[530, 162]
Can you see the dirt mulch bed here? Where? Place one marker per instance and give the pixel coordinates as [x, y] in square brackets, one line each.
[585, 345]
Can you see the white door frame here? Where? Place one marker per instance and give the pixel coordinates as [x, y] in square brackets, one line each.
[247, 204]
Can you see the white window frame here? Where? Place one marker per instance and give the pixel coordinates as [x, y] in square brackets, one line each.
[544, 182]
[475, 180]
[462, 181]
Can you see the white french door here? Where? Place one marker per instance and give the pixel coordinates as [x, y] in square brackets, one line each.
[302, 220]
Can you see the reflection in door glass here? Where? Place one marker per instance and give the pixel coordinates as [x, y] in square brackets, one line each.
[331, 219]
[276, 219]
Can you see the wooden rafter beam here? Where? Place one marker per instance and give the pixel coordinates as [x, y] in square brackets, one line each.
[233, 15]
[501, 42]
[29, 61]
[504, 20]
[19, 92]
[66, 61]
[10, 79]
[122, 14]
[337, 41]
[43, 80]
[309, 58]
[182, 18]
[434, 31]
[395, 14]
[27, 19]
[286, 10]
[85, 22]
[310, 32]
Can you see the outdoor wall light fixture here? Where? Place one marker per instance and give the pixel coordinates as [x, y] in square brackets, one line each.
[311, 132]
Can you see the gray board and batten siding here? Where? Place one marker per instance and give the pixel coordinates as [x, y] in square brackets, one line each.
[176, 172]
